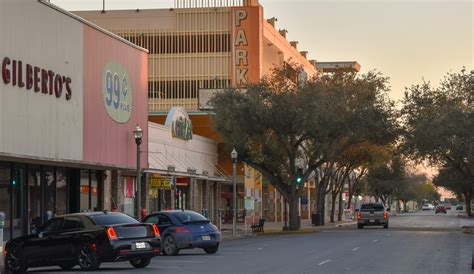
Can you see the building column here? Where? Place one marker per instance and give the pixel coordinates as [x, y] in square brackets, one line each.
[207, 199]
[217, 200]
[308, 195]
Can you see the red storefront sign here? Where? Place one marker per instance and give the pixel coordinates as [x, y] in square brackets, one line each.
[36, 78]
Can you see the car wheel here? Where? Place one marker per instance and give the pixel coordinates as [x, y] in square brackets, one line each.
[170, 247]
[211, 249]
[87, 258]
[140, 262]
[67, 266]
[385, 226]
[359, 226]
[14, 261]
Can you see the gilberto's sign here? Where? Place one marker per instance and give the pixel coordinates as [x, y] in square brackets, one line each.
[41, 80]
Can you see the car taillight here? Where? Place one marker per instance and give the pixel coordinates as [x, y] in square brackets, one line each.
[182, 229]
[156, 231]
[358, 215]
[111, 233]
[385, 214]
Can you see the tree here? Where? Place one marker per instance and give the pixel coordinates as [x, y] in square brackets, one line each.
[451, 179]
[412, 187]
[385, 180]
[439, 125]
[278, 126]
[266, 124]
[358, 159]
[347, 110]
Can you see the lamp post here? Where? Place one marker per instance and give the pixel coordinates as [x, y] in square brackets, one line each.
[233, 155]
[138, 135]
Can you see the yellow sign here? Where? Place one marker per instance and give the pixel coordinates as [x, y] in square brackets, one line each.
[160, 182]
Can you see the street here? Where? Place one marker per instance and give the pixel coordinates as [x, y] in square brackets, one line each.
[419, 242]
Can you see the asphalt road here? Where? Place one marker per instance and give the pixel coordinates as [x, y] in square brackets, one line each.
[409, 246]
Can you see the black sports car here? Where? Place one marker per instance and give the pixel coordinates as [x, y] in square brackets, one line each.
[84, 239]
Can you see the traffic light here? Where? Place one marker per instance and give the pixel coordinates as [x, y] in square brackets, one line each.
[13, 182]
[299, 176]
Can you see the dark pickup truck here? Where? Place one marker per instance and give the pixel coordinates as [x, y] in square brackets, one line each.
[372, 214]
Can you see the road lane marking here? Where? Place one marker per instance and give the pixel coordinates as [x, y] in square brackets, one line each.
[375, 241]
[324, 262]
[355, 248]
[260, 248]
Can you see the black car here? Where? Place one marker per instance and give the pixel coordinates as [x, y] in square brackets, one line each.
[84, 239]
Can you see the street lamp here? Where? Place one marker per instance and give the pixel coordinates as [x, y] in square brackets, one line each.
[138, 135]
[233, 155]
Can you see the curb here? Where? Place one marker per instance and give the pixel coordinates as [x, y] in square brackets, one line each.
[301, 231]
[464, 216]
[237, 237]
[346, 224]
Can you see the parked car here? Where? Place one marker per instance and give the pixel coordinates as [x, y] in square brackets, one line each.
[185, 229]
[84, 239]
[459, 207]
[372, 214]
[427, 207]
[440, 209]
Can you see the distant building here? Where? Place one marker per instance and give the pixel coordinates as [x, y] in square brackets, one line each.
[331, 67]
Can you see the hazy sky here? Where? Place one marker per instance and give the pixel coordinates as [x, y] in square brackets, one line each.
[404, 39]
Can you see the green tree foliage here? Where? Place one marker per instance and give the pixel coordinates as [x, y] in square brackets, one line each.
[385, 180]
[451, 179]
[278, 126]
[439, 124]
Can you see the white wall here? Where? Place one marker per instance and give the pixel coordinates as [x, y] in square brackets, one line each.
[163, 150]
[35, 124]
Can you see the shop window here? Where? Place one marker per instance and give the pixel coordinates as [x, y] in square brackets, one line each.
[61, 192]
[5, 200]
[34, 197]
[129, 196]
[88, 191]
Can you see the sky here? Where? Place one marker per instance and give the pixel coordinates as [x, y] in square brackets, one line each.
[406, 40]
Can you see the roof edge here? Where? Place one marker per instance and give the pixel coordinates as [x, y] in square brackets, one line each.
[92, 25]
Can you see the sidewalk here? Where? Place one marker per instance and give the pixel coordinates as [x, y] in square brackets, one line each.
[276, 228]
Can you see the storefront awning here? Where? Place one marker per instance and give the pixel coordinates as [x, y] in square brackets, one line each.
[195, 157]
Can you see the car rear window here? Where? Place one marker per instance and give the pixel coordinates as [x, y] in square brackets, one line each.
[372, 207]
[190, 217]
[112, 219]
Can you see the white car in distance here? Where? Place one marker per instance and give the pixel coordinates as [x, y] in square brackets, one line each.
[427, 207]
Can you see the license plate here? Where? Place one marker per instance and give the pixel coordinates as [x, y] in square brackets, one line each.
[140, 245]
[206, 238]
[372, 221]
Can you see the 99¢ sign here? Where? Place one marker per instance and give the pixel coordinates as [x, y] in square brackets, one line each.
[117, 92]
